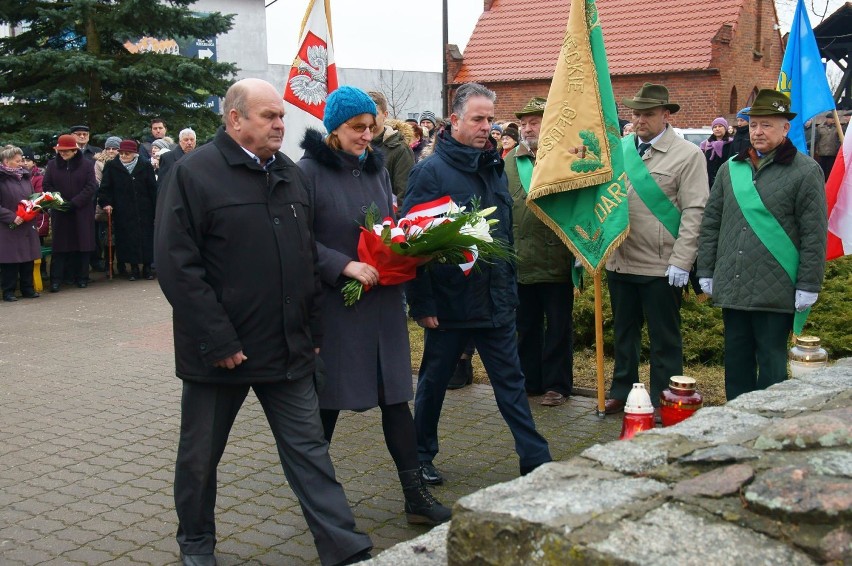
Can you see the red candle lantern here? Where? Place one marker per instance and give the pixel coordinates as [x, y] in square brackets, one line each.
[680, 400]
[638, 412]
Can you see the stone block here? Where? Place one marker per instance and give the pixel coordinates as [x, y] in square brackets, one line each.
[721, 455]
[825, 429]
[671, 535]
[793, 395]
[716, 483]
[799, 493]
[716, 425]
[429, 549]
[634, 456]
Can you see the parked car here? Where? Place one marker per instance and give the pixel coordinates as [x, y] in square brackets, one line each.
[695, 135]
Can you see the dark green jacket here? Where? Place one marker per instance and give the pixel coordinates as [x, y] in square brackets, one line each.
[745, 275]
[542, 257]
[399, 159]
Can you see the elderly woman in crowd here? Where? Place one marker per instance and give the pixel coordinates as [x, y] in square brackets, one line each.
[129, 192]
[367, 356]
[73, 176]
[19, 247]
[509, 140]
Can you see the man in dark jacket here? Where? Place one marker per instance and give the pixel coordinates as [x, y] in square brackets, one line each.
[740, 142]
[545, 289]
[761, 253]
[399, 158]
[454, 308]
[186, 144]
[81, 135]
[237, 260]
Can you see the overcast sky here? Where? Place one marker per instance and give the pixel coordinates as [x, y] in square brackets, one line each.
[405, 35]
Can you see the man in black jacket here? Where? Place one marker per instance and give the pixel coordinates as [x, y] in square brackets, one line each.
[237, 261]
[454, 308]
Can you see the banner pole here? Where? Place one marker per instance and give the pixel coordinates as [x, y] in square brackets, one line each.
[838, 126]
[599, 343]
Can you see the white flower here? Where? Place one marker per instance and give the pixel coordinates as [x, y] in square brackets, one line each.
[454, 209]
[487, 212]
[478, 228]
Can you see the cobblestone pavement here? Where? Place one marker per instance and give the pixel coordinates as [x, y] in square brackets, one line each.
[89, 416]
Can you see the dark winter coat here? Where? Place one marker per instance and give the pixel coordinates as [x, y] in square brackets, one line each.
[168, 160]
[370, 338]
[745, 275]
[398, 158]
[714, 160]
[487, 297]
[741, 141]
[542, 257]
[21, 244]
[133, 197]
[236, 259]
[74, 230]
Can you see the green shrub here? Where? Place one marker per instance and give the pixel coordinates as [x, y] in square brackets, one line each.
[702, 328]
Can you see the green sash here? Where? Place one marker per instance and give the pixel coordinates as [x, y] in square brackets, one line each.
[766, 227]
[525, 169]
[647, 188]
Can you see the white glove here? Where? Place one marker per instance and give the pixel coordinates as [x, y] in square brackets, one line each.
[805, 299]
[677, 276]
[706, 284]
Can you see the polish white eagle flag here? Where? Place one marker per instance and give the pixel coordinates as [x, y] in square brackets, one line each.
[313, 76]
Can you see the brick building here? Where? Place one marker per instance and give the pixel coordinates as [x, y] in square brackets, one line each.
[713, 56]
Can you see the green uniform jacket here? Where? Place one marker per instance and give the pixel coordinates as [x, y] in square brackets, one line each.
[745, 275]
[542, 257]
[399, 159]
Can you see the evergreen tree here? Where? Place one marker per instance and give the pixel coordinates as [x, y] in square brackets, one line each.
[68, 64]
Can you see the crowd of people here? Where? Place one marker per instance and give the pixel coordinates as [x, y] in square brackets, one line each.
[270, 317]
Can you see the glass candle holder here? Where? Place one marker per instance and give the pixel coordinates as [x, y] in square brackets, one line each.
[680, 400]
[806, 356]
[638, 412]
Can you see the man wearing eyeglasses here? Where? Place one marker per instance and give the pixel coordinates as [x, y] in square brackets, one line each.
[81, 136]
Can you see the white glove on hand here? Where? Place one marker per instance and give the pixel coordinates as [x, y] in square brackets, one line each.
[706, 284]
[805, 299]
[677, 276]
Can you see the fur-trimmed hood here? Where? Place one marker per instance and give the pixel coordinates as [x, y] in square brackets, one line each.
[315, 148]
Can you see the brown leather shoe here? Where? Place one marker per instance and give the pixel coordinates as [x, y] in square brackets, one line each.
[613, 406]
[553, 399]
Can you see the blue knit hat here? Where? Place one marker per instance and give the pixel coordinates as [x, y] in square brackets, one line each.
[743, 114]
[343, 104]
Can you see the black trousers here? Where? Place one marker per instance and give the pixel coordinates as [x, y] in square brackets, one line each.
[545, 336]
[207, 415]
[78, 266]
[755, 350]
[11, 272]
[637, 299]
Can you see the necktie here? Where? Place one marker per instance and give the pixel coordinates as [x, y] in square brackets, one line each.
[643, 147]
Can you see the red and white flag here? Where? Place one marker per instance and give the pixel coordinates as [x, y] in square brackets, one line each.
[313, 76]
[838, 196]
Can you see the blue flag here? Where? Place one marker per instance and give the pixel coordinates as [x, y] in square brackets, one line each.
[803, 77]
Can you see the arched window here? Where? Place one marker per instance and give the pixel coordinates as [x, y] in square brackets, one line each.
[752, 96]
[732, 105]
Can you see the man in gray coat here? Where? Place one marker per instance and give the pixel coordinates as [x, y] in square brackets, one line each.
[237, 260]
[761, 254]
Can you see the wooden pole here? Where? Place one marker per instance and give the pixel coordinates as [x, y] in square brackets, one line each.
[599, 343]
[838, 126]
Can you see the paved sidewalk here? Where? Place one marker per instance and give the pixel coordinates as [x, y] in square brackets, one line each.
[89, 417]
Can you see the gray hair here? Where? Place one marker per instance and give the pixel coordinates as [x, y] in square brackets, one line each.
[465, 92]
[10, 151]
[187, 132]
[235, 99]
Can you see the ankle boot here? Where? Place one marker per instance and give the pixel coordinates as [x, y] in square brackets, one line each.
[421, 507]
[463, 374]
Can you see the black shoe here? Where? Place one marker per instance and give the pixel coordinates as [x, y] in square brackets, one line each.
[31, 295]
[421, 507]
[527, 469]
[82, 284]
[54, 287]
[9, 297]
[362, 556]
[429, 474]
[132, 277]
[463, 374]
[198, 559]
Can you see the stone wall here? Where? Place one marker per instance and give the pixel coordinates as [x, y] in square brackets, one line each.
[765, 479]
